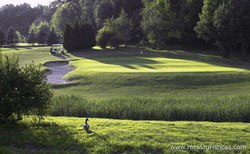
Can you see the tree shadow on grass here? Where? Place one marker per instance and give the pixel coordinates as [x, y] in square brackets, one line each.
[59, 56]
[119, 147]
[40, 137]
[127, 61]
[174, 53]
[198, 56]
[62, 55]
[49, 137]
[122, 57]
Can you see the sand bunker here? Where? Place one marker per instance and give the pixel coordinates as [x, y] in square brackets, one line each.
[57, 70]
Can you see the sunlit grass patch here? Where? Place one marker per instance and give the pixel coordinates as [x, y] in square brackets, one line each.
[125, 63]
[66, 135]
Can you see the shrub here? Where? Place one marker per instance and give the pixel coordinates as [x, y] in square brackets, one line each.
[23, 90]
[103, 38]
[115, 41]
[120, 28]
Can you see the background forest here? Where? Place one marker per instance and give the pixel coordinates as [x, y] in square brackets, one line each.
[200, 23]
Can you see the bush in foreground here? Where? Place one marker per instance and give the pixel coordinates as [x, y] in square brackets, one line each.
[23, 90]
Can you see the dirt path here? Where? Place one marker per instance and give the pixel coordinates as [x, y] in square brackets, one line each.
[57, 70]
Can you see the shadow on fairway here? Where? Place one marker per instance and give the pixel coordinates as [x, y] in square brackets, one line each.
[61, 56]
[121, 148]
[136, 56]
[123, 57]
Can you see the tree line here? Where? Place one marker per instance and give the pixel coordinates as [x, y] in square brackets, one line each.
[204, 23]
[12, 37]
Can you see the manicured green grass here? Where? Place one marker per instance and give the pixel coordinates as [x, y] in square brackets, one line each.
[141, 63]
[153, 75]
[65, 135]
[29, 54]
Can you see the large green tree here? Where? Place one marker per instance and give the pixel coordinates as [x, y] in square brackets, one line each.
[206, 28]
[226, 23]
[188, 17]
[104, 9]
[158, 22]
[65, 14]
[223, 27]
[118, 29]
[87, 15]
[37, 26]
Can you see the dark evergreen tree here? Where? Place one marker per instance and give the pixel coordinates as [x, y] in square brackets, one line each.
[52, 38]
[11, 36]
[32, 38]
[2, 37]
[68, 39]
[77, 43]
[41, 37]
[87, 36]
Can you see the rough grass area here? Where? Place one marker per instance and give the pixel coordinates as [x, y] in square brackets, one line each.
[205, 108]
[65, 135]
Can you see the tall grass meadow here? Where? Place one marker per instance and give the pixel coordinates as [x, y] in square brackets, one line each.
[204, 108]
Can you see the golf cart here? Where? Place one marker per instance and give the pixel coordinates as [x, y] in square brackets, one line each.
[56, 49]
